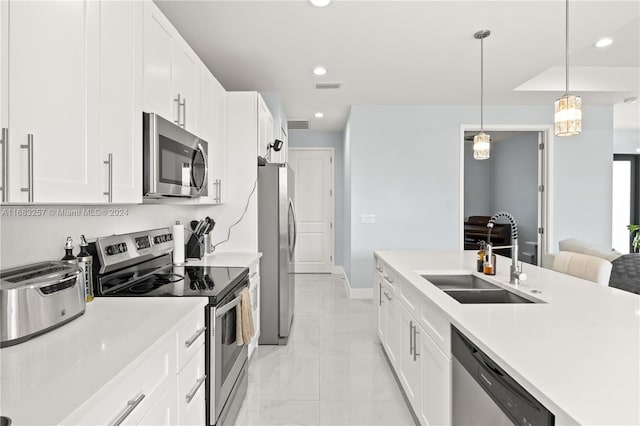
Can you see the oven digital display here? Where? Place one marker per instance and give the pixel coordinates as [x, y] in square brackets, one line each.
[143, 242]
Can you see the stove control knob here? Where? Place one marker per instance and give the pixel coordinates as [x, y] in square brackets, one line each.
[110, 250]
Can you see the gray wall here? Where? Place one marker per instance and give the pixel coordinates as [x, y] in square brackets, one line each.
[626, 141]
[514, 184]
[404, 166]
[319, 139]
[477, 181]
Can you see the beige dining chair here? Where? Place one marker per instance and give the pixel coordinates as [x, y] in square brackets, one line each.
[583, 266]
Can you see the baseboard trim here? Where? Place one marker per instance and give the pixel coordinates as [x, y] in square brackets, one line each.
[357, 293]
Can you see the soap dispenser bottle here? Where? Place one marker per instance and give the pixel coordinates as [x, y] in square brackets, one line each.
[85, 262]
[68, 252]
[480, 257]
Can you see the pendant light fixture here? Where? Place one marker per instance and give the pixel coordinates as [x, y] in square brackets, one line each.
[568, 109]
[481, 141]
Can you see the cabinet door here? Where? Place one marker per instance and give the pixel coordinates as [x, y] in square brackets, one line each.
[254, 289]
[4, 93]
[212, 127]
[185, 83]
[265, 127]
[191, 391]
[158, 38]
[164, 412]
[393, 341]
[410, 363]
[120, 118]
[381, 318]
[49, 42]
[436, 383]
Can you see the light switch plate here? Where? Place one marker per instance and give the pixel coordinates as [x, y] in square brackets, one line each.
[367, 218]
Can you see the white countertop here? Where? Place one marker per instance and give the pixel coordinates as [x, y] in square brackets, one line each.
[578, 353]
[231, 259]
[45, 379]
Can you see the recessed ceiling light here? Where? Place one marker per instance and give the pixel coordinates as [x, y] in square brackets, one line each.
[320, 3]
[319, 114]
[319, 70]
[604, 42]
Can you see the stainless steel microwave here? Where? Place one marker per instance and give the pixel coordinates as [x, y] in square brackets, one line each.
[175, 161]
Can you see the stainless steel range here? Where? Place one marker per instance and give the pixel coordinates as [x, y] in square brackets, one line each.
[140, 265]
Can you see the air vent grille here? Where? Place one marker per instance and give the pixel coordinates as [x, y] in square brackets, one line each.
[298, 124]
[328, 85]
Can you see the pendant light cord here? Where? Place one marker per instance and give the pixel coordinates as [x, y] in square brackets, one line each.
[481, 85]
[566, 45]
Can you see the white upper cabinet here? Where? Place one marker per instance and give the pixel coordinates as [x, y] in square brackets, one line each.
[265, 128]
[51, 158]
[212, 125]
[120, 118]
[171, 71]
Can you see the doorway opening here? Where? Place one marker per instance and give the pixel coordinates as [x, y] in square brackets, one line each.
[514, 179]
[626, 200]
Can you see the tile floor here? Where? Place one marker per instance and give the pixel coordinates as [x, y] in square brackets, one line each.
[332, 371]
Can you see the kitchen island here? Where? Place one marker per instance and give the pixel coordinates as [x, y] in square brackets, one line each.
[76, 373]
[577, 351]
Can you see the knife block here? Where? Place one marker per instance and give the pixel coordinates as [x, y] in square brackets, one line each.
[195, 247]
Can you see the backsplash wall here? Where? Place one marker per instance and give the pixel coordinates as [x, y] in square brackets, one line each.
[29, 239]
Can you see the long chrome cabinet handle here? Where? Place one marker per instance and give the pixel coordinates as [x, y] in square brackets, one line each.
[415, 344]
[411, 349]
[131, 405]
[184, 113]
[218, 185]
[109, 163]
[193, 338]
[195, 388]
[5, 164]
[177, 101]
[29, 148]
[380, 293]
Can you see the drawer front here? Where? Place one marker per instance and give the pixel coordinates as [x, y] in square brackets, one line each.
[190, 337]
[122, 398]
[436, 325]
[390, 278]
[410, 298]
[191, 390]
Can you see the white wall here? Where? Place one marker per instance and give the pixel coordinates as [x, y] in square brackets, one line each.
[32, 239]
[404, 167]
[326, 139]
[346, 204]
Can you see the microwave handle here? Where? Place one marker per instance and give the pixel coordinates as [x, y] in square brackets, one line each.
[205, 181]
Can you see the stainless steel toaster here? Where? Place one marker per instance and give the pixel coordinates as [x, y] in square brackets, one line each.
[37, 298]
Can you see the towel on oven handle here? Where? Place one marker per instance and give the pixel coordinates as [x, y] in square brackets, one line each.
[244, 321]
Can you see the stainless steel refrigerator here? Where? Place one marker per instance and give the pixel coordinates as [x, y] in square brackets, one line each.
[277, 242]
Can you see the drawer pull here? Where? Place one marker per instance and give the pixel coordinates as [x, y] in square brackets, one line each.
[131, 405]
[195, 388]
[389, 279]
[193, 338]
[253, 274]
[387, 296]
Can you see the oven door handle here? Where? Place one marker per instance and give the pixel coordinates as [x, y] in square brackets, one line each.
[226, 308]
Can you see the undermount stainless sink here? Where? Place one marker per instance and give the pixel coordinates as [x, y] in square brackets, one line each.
[470, 289]
[446, 282]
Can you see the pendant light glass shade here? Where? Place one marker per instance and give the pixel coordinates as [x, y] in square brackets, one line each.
[482, 141]
[568, 115]
[568, 109]
[481, 146]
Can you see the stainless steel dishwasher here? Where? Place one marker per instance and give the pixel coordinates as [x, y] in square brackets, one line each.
[484, 394]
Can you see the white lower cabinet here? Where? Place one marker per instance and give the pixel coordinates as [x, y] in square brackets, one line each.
[191, 390]
[410, 368]
[163, 386]
[436, 382]
[164, 411]
[416, 355]
[254, 291]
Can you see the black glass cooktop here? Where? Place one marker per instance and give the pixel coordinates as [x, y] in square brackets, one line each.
[173, 281]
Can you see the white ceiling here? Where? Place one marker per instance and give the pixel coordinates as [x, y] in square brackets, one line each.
[413, 52]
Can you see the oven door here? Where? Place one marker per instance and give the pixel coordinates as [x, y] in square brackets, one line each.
[228, 358]
[176, 161]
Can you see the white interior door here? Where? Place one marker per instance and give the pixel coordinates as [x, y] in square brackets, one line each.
[314, 209]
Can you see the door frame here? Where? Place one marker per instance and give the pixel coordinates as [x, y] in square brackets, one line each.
[545, 176]
[332, 234]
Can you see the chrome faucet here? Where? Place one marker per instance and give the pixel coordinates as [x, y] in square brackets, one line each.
[516, 275]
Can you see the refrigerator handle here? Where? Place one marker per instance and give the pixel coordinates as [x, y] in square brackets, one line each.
[292, 216]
